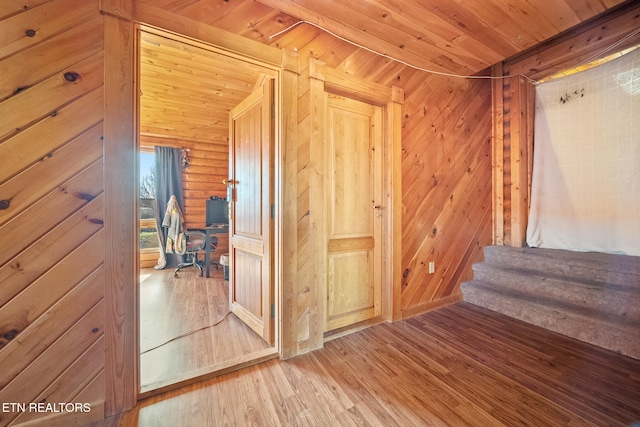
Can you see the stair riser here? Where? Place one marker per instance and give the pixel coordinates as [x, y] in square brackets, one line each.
[607, 299]
[559, 268]
[622, 263]
[517, 278]
[613, 306]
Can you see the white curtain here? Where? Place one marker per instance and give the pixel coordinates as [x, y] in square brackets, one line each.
[586, 163]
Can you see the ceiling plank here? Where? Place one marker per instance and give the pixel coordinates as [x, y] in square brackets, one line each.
[342, 24]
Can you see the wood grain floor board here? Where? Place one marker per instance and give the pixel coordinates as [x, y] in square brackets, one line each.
[460, 365]
[570, 375]
[535, 376]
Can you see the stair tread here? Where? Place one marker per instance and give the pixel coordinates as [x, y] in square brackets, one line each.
[624, 264]
[631, 287]
[544, 301]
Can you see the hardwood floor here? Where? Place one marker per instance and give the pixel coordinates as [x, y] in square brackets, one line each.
[186, 328]
[460, 365]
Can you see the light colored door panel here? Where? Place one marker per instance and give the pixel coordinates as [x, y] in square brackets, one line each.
[250, 228]
[354, 184]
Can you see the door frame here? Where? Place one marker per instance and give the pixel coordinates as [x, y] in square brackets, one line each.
[325, 79]
[276, 72]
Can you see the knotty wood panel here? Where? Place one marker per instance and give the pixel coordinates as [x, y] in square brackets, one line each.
[73, 381]
[34, 183]
[50, 326]
[445, 177]
[451, 36]
[33, 105]
[583, 44]
[51, 132]
[12, 7]
[28, 67]
[43, 254]
[46, 20]
[40, 374]
[51, 185]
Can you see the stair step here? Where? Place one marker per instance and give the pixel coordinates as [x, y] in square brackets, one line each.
[613, 332]
[592, 297]
[607, 268]
[620, 300]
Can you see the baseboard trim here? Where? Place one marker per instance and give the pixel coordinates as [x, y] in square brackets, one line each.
[430, 306]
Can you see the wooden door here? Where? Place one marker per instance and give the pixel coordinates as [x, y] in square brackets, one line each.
[250, 224]
[353, 150]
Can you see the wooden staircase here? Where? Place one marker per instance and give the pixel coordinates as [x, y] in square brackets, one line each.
[592, 297]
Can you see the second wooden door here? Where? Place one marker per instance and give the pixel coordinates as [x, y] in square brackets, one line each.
[353, 138]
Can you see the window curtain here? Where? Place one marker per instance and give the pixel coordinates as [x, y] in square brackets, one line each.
[586, 166]
[168, 168]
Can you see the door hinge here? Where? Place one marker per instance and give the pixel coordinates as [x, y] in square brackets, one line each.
[273, 311]
[273, 211]
[273, 111]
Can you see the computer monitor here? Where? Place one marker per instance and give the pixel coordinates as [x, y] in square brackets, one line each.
[217, 212]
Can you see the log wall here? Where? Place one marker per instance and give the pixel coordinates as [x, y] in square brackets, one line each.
[202, 179]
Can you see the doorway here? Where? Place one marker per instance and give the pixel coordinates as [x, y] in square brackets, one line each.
[355, 151]
[187, 328]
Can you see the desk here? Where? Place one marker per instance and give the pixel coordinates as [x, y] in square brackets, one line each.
[214, 229]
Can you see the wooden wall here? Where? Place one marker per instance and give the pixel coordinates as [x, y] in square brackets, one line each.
[446, 168]
[52, 273]
[67, 152]
[446, 187]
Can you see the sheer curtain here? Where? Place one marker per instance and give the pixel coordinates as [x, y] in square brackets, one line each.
[586, 164]
[168, 169]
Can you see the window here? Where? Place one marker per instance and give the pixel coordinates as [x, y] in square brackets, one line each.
[148, 230]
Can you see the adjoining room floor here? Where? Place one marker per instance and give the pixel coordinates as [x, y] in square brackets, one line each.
[186, 326]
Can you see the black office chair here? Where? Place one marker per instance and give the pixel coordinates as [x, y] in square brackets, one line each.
[195, 241]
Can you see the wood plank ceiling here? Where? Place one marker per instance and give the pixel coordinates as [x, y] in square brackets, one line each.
[186, 94]
[461, 37]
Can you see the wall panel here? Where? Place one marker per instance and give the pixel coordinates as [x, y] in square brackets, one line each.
[446, 180]
[51, 185]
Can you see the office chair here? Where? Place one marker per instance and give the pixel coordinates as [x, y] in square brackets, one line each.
[195, 242]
